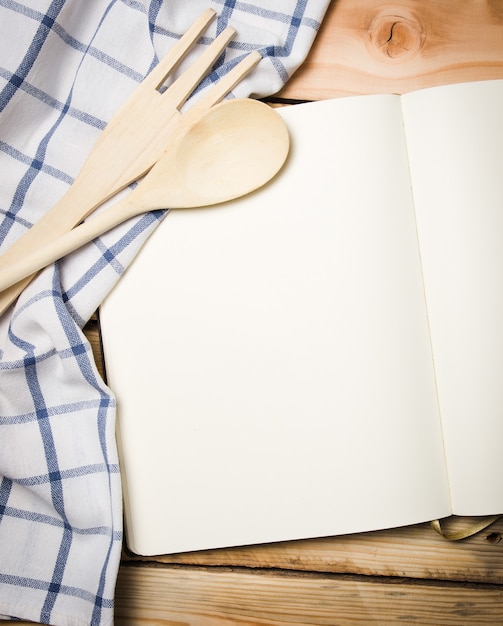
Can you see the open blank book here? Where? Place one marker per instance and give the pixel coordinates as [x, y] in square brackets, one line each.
[325, 355]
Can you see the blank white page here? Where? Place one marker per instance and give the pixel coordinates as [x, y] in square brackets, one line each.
[271, 356]
[455, 138]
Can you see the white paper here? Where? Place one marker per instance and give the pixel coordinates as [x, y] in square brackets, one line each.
[271, 357]
[455, 138]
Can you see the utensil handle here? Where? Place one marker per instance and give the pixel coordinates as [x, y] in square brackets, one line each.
[61, 218]
[15, 273]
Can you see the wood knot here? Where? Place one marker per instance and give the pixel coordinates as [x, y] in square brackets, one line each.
[394, 37]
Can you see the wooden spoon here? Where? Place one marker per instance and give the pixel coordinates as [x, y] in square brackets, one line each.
[235, 148]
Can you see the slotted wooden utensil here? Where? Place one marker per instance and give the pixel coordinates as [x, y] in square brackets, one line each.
[133, 140]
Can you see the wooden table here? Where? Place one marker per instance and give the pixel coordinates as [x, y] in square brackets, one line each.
[410, 575]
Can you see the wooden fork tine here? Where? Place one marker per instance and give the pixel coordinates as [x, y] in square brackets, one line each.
[179, 51]
[225, 84]
[178, 92]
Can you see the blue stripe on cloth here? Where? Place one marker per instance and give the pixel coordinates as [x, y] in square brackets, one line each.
[79, 353]
[17, 81]
[46, 21]
[50, 520]
[43, 167]
[7, 93]
[44, 97]
[51, 456]
[52, 588]
[30, 175]
[76, 472]
[54, 410]
[275, 53]
[109, 255]
[50, 23]
[138, 5]
[82, 359]
[153, 12]
[5, 489]
[272, 14]
[98, 604]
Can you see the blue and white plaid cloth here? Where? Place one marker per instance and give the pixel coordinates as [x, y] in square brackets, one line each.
[65, 67]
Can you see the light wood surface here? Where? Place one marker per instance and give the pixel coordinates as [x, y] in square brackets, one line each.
[369, 46]
[192, 596]
[408, 575]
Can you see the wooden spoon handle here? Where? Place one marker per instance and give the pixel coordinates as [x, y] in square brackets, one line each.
[37, 258]
[76, 203]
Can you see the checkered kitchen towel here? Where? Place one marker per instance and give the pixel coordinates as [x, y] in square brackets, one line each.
[65, 67]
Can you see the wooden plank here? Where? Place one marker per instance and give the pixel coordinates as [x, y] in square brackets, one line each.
[91, 331]
[415, 552]
[219, 596]
[374, 47]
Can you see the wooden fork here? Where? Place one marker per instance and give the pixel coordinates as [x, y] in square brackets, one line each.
[133, 140]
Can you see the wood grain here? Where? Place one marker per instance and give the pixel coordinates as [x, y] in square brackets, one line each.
[367, 46]
[210, 597]
[92, 333]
